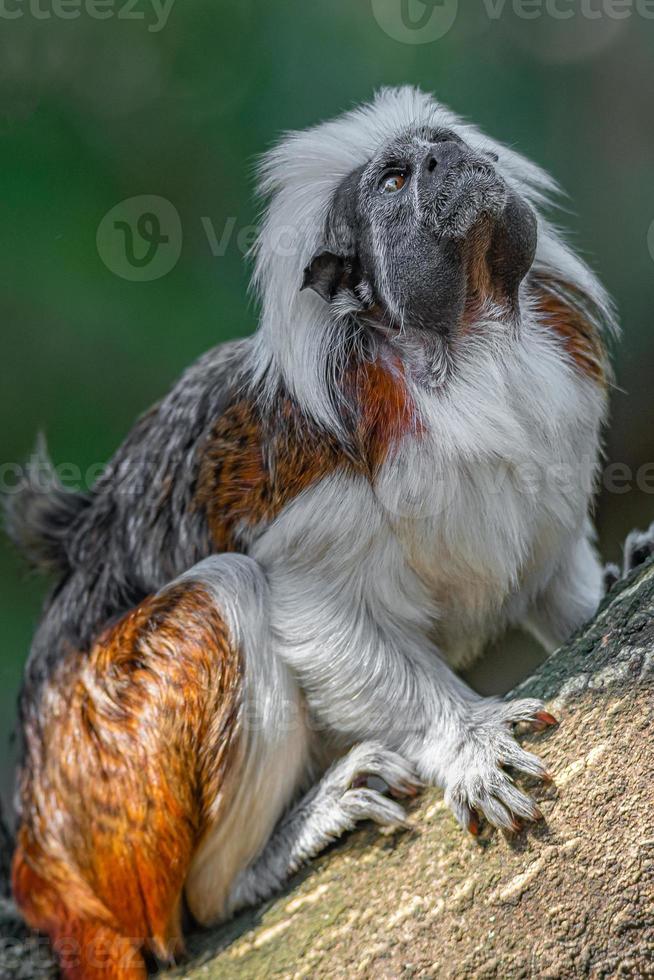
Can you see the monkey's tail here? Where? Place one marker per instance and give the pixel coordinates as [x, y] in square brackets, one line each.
[39, 512]
[87, 946]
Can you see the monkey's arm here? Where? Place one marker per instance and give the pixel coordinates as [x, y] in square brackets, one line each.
[366, 677]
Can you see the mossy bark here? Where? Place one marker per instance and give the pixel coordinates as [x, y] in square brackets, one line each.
[571, 897]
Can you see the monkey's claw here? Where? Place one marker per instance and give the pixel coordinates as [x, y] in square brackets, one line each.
[543, 720]
[474, 823]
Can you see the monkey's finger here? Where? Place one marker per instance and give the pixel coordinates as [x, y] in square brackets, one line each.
[529, 715]
[466, 816]
[521, 805]
[399, 789]
[368, 804]
[525, 762]
[522, 710]
[506, 806]
[375, 766]
[406, 791]
[495, 812]
[611, 576]
[638, 548]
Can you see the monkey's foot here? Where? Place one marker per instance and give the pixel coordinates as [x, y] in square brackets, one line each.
[638, 549]
[345, 795]
[338, 802]
[477, 778]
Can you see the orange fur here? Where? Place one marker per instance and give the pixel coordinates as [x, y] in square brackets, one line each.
[578, 335]
[132, 746]
[87, 948]
[385, 409]
[251, 469]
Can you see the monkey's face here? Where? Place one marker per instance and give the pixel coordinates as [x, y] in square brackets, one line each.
[424, 234]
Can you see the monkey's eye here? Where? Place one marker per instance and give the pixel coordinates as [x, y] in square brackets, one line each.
[392, 182]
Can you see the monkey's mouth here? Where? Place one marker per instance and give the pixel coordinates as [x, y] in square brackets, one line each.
[469, 195]
[500, 247]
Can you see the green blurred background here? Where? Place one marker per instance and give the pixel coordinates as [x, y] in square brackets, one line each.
[94, 111]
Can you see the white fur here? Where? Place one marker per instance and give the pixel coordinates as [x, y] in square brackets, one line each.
[272, 734]
[464, 530]
[478, 523]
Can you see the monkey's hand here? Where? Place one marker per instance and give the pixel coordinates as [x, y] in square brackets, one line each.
[476, 770]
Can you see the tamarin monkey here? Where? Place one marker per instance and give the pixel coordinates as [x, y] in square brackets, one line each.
[266, 597]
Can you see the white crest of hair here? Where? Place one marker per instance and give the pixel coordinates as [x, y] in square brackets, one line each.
[300, 335]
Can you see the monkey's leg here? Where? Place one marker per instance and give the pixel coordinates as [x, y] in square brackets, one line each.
[329, 809]
[142, 752]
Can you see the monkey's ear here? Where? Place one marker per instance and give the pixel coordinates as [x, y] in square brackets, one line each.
[324, 274]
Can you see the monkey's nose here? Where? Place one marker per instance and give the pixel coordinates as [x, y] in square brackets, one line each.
[441, 157]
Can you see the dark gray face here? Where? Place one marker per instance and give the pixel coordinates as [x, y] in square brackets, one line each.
[421, 229]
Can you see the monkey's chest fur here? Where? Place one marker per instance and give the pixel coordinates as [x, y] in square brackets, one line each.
[460, 528]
